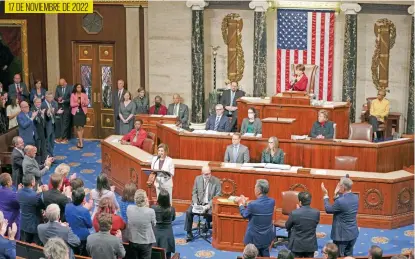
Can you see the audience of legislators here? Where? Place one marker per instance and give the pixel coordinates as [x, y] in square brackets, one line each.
[55, 196]
[164, 163]
[31, 166]
[63, 97]
[103, 245]
[236, 152]
[62, 170]
[273, 154]
[299, 81]
[344, 230]
[136, 136]
[127, 199]
[322, 128]
[118, 97]
[31, 204]
[126, 114]
[40, 136]
[17, 160]
[379, 109]
[56, 248]
[163, 230]
[259, 212]
[103, 190]
[51, 110]
[18, 89]
[301, 226]
[250, 252]
[252, 124]
[158, 108]
[330, 251]
[141, 102]
[7, 245]
[37, 92]
[218, 122]
[8, 202]
[27, 130]
[79, 108]
[12, 110]
[205, 188]
[141, 220]
[180, 110]
[228, 100]
[106, 205]
[375, 252]
[285, 254]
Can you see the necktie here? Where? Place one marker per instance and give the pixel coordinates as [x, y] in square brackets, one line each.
[136, 136]
[63, 91]
[235, 153]
[17, 87]
[217, 123]
[119, 94]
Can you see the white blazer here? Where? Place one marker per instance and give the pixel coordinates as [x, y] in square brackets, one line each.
[167, 166]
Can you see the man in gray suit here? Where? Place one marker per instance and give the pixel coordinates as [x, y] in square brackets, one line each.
[118, 96]
[180, 110]
[18, 89]
[205, 188]
[236, 153]
[103, 245]
[30, 165]
[54, 228]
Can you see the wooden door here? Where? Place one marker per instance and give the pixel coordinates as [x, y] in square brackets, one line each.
[93, 67]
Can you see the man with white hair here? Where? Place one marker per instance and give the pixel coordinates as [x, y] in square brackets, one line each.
[218, 122]
[56, 248]
[51, 110]
[7, 246]
[344, 231]
[39, 122]
[250, 252]
[180, 110]
[31, 166]
[54, 228]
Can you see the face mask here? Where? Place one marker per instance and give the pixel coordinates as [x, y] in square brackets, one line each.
[251, 116]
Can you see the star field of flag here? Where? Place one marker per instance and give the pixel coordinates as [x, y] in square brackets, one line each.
[292, 30]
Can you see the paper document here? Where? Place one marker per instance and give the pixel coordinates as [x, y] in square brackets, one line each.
[321, 172]
[259, 165]
[156, 115]
[115, 140]
[169, 116]
[277, 166]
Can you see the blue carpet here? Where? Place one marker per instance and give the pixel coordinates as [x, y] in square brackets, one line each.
[87, 164]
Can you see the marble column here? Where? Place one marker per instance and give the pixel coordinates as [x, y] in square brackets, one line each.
[132, 13]
[260, 47]
[52, 54]
[198, 64]
[410, 114]
[350, 56]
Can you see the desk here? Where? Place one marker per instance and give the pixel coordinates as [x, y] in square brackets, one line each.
[282, 128]
[372, 157]
[393, 123]
[386, 199]
[150, 121]
[306, 115]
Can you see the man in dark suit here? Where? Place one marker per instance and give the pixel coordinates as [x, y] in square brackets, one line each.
[27, 129]
[344, 231]
[40, 136]
[51, 109]
[301, 226]
[259, 212]
[228, 100]
[205, 188]
[63, 96]
[17, 160]
[218, 122]
[54, 196]
[18, 89]
[118, 96]
[7, 245]
[180, 110]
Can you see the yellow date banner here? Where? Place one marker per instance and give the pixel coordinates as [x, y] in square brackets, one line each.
[49, 6]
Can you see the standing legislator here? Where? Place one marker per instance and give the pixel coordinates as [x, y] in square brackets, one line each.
[228, 100]
[164, 163]
[63, 97]
[180, 110]
[18, 89]
[118, 96]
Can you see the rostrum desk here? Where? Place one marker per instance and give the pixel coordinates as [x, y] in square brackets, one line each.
[372, 157]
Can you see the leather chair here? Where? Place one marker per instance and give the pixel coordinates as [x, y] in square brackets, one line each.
[345, 163]
[289, 203]
[148, 145]
[364, 117]
[361, 131]
[151, 136]
[310, 71]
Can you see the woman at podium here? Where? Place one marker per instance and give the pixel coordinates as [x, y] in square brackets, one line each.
[164, 164]
[273, 154]
[300, 81]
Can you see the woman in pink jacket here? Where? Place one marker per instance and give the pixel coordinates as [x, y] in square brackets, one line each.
[79, 106]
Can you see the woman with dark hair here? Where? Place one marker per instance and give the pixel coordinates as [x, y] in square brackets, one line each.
[103, 190]
[12, 110]
[141, 102]
[79, 104]
[163, 230]
[127, 113]
[252, 124]
[127, 199]
[37, 92]
[106, 205]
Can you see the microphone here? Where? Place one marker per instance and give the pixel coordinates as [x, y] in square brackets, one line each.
[292, 86]
[158, 157]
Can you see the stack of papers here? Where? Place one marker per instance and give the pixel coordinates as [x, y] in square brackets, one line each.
[277, 166]
[299, 137]
[254, 165]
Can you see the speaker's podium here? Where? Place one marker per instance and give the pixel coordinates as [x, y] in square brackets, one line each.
[292, 97]
[152, 177]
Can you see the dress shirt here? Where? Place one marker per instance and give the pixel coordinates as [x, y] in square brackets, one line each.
[176, 109]
[63, 90]
[232, 97]
[205, 198]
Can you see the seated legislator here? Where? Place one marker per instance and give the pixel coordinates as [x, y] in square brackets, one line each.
[272, 154]
[164, 163]
[205, 188]
[136, 136]
[323, 128]
[379, 109]
[252, 124]
[218, 122]
[300, 81]
[158, 108]
[236, 152]
[259, 213]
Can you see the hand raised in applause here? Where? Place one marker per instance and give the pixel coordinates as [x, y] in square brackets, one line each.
[4, 225]
[324, 190]
[12, 231]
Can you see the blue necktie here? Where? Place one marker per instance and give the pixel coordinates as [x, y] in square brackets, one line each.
[217, 123]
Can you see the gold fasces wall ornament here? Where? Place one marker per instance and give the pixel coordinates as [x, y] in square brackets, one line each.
[232, 26]
[385, 32]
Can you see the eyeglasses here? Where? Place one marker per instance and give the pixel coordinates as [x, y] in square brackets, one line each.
[219, 109]
[270, 142]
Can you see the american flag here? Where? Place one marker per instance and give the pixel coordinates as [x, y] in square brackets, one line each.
[306, 37]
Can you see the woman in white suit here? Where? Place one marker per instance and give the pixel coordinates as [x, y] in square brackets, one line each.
[164, 163]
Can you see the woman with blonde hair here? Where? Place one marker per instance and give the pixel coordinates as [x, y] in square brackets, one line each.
[63, 170]
[163, 163]
[107, 206]
[322, 128]
[272, 154]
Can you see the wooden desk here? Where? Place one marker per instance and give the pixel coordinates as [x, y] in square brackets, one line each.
[393, 123]
[281, 128]
[306, 115]
[372, 157]
[386, 199]
[150, 121]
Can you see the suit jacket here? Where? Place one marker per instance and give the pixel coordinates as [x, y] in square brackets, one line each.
[10, 207]
[260, 229]
[223, 126]
[225, 100]
[17, 167]
[142, 135]
[50, 116]
[13, 92]
[117, 101]
[30, 207]
[183, 113]
[40, 122]
[301, 226]
[278, 157]
[141, 105]
[243, 154]
[162, 110]
[104, 246]
[214, 188]
[141, 221]
[7, 248]
[257, 126]
[55, 196]
[33, 94]
[344, 212]
[327, 130]
[75, 105]
[27, 130]
[65, 97]
[168, 166]
[55, 229]
[30, 166]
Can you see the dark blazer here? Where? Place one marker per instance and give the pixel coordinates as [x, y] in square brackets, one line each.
[33, 94]
[344, 212]
[183, 113]
[66, 97]
[301, 226]
[27, 130]
[55, 229]
[55, 196]
[141, 105]
[260, 229]
[327, 130]
[278, 157]
[7, 248]
[17, 167]
[50, 116]
[224, 125]
[13, 93]
[225, 100]
[30, 207]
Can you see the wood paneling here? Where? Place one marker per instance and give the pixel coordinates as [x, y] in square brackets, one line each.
[279, 129]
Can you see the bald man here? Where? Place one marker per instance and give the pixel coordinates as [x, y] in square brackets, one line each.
[27, 129]
[31, 166]
[180, 110]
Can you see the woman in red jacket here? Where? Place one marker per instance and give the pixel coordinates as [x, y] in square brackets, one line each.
[107, 206]
[136, 136]
[300, 80]
[79, 105]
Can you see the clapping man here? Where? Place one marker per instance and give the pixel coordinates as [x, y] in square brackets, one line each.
[31, 166]
[39, 122]
[18, 89]
[63, 97]
[7, 245]
[51, 110]
[27, 130]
